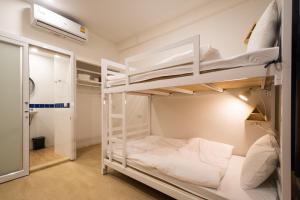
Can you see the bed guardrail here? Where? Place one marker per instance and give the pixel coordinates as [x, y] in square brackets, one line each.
[194, 40]
[121, 72]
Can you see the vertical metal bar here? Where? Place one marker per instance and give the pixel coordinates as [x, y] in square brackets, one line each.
[196, 64]
[124, 128]
[149, 114]
[104, 115]
[110, 126]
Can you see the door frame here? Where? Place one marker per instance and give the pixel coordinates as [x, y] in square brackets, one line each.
[73, 86]
[26, 42]
[24, 73]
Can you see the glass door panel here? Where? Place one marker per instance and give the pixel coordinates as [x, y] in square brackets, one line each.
[13, 110]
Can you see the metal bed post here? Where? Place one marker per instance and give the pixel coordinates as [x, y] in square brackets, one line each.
[110, 126]
[149, 114]
[124, 121]
[196, 61]
[104, 107]
[124, 128]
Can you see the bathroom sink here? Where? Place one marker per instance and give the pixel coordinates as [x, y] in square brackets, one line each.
[32, 113]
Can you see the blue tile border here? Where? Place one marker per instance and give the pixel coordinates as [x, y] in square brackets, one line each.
[54, 105]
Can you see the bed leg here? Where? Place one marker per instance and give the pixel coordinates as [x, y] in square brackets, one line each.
[104, 170]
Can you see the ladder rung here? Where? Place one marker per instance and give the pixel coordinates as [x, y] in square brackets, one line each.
[118, 116]
[114, 139]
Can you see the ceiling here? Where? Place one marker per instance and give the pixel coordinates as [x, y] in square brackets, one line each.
[118, 20]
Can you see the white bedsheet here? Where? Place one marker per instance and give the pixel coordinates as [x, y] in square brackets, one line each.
[179, 159]
[229, 187]
[259, 57]
[184, 66]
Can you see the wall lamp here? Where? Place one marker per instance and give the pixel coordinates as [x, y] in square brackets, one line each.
[245, 96]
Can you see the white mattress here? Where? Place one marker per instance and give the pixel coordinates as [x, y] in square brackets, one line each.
[229, 187]
[184, 66]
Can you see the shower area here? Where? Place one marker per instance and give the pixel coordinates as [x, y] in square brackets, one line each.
[50, 95]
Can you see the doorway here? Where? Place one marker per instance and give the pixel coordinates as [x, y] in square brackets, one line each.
[20, 108]
[50, 109]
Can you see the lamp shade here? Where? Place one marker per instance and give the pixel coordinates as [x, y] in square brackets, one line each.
[245, 95]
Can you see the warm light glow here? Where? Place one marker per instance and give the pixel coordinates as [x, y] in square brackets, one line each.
[56, 56]
[243, 97]
[34, 50]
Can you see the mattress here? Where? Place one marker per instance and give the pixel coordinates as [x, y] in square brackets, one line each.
[184, 66]
[229, 187]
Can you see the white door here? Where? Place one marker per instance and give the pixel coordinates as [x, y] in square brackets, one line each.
[64, 140]
[14, 106]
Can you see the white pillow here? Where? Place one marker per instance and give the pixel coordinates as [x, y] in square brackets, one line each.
[266, 30]
[207, 53]
[215, 153]
[261, 161]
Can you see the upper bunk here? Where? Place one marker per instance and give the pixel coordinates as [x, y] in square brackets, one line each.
[184, 72]
[188, 64]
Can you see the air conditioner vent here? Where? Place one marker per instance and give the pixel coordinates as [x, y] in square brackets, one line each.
[51, 21]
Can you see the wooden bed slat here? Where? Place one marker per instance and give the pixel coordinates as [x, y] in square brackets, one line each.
[213, 87]
[156, 92]
[179, 90]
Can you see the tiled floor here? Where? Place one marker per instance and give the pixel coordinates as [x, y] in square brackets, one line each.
[43, 156]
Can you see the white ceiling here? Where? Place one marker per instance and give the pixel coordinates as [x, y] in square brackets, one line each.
[117, 20]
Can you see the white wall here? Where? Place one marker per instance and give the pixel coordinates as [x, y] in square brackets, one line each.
[88, 119]
[216, 116]
[220, 117]
[223, 24]
[42, 73]
[15, 19]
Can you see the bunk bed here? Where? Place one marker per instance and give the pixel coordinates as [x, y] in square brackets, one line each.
[117, 79]
[123, 146]
[116, 147]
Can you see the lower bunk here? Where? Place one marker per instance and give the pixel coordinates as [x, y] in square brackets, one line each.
[171, 166]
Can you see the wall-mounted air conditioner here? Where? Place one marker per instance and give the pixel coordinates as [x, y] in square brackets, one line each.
[51, 21]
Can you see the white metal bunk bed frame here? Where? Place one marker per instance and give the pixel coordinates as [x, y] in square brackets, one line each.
[284, 172]
[110, 68]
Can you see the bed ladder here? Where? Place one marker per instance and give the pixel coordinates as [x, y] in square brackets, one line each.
[122, 116]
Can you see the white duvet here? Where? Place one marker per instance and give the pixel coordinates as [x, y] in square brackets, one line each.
[195, 161]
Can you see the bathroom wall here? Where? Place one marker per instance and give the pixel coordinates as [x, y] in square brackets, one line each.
[42, 73]
[51, 75]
